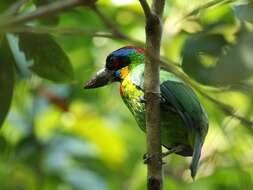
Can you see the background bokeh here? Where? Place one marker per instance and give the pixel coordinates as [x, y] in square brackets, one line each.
[58, 136]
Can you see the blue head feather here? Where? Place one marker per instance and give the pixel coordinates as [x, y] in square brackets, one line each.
[117, 74]
[124, 52]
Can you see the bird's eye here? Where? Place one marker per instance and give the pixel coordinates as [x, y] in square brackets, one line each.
[124, 61]
[117, 62]
[110, 63]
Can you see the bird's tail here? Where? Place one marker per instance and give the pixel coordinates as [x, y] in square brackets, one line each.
[196, 155]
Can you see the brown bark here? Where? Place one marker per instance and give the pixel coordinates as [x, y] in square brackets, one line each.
[152, 91]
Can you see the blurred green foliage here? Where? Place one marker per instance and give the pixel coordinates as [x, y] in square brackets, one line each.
[59, 136]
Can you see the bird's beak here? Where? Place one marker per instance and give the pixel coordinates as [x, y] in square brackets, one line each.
[102, 78]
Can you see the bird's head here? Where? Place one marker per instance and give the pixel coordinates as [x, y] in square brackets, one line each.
[118, 64]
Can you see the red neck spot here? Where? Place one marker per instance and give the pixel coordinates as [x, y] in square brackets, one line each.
[138, 49]
[120, 89]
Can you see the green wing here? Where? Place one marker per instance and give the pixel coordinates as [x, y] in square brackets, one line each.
[186, 103]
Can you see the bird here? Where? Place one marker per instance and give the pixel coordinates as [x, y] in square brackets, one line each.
[183, 119]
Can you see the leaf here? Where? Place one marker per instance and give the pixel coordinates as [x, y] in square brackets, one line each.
[205, 60]
[49, 60]
[6, 79]
[244, 12]
[237, 64]
[199, 55]
[218, 16]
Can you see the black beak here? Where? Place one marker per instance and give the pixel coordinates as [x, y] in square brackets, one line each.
[102, 78]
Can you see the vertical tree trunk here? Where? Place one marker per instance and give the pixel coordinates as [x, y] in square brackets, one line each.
[152, 91]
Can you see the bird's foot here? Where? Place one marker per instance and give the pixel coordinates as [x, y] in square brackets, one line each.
[162, 99]
[173, 150]
[147, 158]
[143, 100]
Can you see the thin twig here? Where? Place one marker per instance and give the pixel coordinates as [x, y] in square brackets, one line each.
[61, 31]
[146, 8]
[109, 24]
[112, 26]
[45, 11]
[204, 6]
[57, 7]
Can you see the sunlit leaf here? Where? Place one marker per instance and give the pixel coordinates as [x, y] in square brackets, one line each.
[6, 79]
[221, 15]
[49, 60]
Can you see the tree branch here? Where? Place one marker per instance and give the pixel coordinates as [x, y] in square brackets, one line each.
[109, 24]
[146, 8]
[59, 30]
[47, 10]
[158, 7]
[152, 91]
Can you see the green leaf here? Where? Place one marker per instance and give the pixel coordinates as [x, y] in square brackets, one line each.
[199, 55]
[237, 64]
[205, 59]
[6, 79]
[49, 60]
[219, 16]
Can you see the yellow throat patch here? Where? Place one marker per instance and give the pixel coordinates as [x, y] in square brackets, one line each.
[124, 72]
